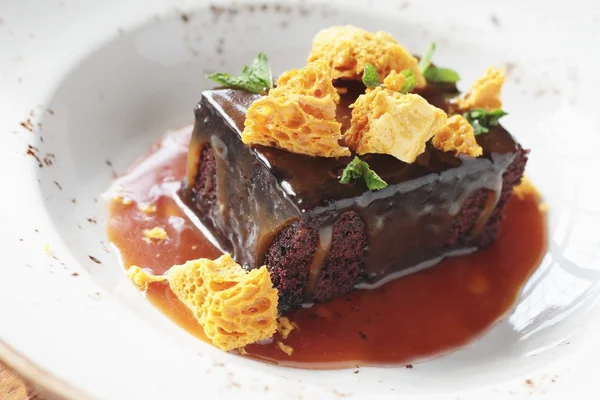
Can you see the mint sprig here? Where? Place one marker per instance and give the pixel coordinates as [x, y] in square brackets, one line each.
[435, 74]
[255, 78]
[370, 76]
[481, 119]
[425, 61]
[441, 75]
[410, 80]
[358, 169]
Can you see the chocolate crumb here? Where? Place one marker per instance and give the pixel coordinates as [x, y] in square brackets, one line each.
[185, 18]
[31, 153]
[49, 158]
[74, 274]
[529, 382]
[58, 185]
[27, 125]
[50, 111]
[109, 163]
[21, 240]
[409, 366]
[74, 201]
[363, 336]
[267, 388]
[94, 259]
[356, 372]
[91, 221]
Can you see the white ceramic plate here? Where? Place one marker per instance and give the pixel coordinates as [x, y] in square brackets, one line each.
[101, 80]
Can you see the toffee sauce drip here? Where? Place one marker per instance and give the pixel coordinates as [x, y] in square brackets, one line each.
[413, 318]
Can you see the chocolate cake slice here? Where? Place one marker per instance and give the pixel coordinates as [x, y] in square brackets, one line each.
[318, 237]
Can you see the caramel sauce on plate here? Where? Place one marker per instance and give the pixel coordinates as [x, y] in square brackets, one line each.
[411, 318]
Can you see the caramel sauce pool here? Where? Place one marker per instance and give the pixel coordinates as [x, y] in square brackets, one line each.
[411, 318]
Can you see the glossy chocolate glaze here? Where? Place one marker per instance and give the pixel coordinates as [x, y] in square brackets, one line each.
[260, 189]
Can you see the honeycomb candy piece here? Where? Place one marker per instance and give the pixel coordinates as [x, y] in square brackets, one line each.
[142, 278]
[285, 327]
[394, 81]
[298, 116]
[313, 80]
[156, 233]
[485, 92]
[296, 123]
[285, 348]
[347, 49]
[457, 135]
[187, 282]
[235, 307]
[388, 122]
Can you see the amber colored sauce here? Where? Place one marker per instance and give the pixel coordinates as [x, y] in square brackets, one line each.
[411, 318]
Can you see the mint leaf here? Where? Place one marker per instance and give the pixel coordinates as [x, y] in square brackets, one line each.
[481, 119]
[435, 74]
[358, 169]
[425, 61]
[410, 81]
[262, 70]
[374, 181]
[441, 75]
[240, 82]
[370, 76]
[255, 78]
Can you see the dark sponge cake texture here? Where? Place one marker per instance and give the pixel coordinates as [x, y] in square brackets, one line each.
[288, 260]
[290, 256]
